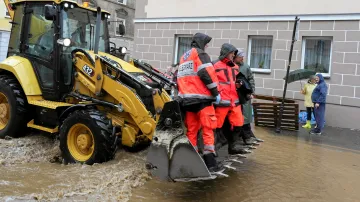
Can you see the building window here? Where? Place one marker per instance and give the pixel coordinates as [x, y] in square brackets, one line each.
[259, 53]
[183, 44]
[316, 54]
[117, 23]
[7, 14]
[122, 2]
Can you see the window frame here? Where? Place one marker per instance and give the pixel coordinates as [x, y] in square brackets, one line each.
[124, 2]
[7, 12]
[117, 20]
[176, 51]
[248, 59]
[303, 48]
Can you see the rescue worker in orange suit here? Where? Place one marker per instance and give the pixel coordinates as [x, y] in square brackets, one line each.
[197, 86]
[229, 106]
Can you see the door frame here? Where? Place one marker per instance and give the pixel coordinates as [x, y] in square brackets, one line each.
[50, 93]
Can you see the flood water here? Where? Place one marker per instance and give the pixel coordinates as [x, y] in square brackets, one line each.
[28, 175]
[284, 168]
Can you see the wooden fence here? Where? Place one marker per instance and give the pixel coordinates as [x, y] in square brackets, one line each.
[266, 113]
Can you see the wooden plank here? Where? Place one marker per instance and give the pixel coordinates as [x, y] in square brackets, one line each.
[271, 104]
[275, 108]
[282, 123]
[274, 116]
[282, 127]
[273, 119]
[272, 98]
[259, 111]
[269, 115]
[270, 123]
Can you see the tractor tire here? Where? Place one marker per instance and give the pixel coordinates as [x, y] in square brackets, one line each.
[86, 137]
[13, 108]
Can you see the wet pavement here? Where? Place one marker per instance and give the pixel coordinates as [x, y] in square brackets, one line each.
[291, 166]
[287, 167]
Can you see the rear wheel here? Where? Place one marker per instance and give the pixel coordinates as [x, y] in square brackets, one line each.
[86, 137]
[13, 107]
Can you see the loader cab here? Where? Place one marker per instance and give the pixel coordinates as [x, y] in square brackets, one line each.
[45, 33]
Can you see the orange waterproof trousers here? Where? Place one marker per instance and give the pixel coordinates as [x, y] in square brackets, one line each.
[206, 120]
[234, 114]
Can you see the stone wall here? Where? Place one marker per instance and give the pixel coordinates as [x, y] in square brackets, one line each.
[155, 43]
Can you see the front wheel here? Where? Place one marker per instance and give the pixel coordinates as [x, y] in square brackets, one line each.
[13, 107]
[86, 137]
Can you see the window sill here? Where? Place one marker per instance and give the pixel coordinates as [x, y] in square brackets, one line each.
[258, 70]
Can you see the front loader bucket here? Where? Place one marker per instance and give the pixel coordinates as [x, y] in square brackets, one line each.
[171, 156]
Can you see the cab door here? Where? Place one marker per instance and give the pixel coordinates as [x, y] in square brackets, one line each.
[39, 46]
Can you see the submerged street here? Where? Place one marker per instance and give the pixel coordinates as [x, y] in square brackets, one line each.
[286, 167]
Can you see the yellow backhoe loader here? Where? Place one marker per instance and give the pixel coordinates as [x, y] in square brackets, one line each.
[60, 78]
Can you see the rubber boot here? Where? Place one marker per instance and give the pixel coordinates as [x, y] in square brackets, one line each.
[247, 137]
[253, 135]
[220, 139]
[212, 164]
[307, 125]
[235, 145]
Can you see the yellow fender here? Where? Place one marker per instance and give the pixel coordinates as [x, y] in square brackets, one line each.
[22, 69]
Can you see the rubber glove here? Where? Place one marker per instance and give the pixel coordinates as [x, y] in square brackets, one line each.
[218, 98]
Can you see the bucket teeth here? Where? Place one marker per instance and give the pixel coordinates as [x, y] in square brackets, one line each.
[229, 167]
[248, 151]
[220, 174]
[251, 147]
[239, 155]
[212, 177]
[234, 160]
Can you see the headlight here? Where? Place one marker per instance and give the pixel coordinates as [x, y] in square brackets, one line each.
[71, 6]
[64, 42]
[67, 42]
[66, 5]
[123, 50]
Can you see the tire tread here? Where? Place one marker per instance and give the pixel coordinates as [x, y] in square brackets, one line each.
[105, 140]
[21, 106]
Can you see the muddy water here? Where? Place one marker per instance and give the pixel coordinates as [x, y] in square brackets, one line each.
[281, 169]
[28, 175]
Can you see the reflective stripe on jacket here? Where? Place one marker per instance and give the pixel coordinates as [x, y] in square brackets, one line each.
[196, 78]
[227, 77]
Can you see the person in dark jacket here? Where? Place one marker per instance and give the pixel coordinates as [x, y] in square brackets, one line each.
[318, 97]
[248, 135]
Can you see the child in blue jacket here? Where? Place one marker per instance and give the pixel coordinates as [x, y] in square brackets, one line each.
[318, 97]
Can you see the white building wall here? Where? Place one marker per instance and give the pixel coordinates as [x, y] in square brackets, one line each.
[205, 8]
